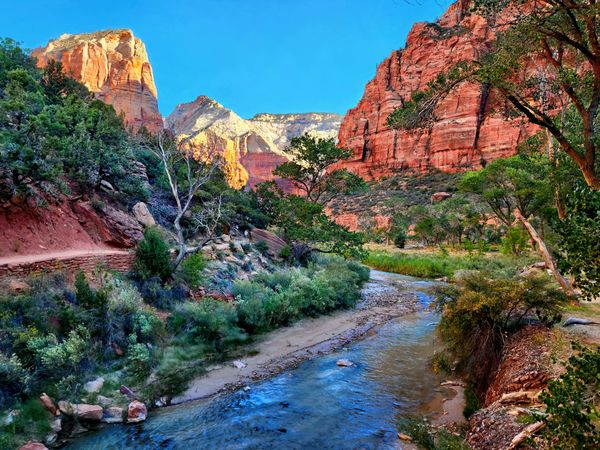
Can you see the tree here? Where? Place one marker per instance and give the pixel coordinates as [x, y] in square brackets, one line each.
[561, 33]
[308, 170]
[515, 189]
[186, 177]
[305, 225]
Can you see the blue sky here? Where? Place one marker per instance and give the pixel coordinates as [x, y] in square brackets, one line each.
[252, 56]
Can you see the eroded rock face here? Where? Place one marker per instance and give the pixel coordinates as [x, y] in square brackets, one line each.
[469, 130]
[251, 149]
[114, 65]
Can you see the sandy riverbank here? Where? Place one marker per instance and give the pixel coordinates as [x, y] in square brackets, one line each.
[384, 297]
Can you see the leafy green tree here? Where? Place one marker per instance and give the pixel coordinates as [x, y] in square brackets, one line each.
[309, 169]
[579, 231]
[305, 225]
[572, 403]
[52, 128]
[512, 183]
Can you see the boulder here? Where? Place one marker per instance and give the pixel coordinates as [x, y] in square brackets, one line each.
[274, 243]
[106, 186]
[65, 407]
[56, 424]
[128, 392]
[32, 445]
[136, 412]
[83, 411]
[440, 196]
[49, 404]
[94, 385]
[239, 364]
[143, 215]
[104, 401]
[113, 414]
[18, 286]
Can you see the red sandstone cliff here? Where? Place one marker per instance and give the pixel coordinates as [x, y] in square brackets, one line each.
[114, 65]
[467, 132]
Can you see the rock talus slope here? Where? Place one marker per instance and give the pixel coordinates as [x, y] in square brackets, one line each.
[468, 130]
[114, 65]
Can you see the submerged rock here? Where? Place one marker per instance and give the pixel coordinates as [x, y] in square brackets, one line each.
[344, 363]
[136, 412]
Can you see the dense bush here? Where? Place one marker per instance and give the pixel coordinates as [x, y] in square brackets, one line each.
[479, 311]
[161, 296]
[211, 322]
[50, 126]
[152, 257]
[278, 298]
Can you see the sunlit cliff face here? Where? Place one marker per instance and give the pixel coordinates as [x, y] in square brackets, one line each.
[251, 149]
[114, 65]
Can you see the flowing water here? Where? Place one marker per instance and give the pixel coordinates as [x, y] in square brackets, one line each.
[315, 406]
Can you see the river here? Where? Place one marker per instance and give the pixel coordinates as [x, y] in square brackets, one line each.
[317, 405]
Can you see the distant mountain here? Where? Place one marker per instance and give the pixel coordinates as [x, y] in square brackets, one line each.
[114, 65]
[251, 148]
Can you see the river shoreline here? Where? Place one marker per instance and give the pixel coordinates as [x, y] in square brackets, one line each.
[384, 297]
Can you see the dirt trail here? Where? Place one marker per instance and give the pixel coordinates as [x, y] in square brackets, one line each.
[69, 262]
[383, 299]
[58, 256]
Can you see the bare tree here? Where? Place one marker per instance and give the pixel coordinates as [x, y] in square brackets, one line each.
[187, 172]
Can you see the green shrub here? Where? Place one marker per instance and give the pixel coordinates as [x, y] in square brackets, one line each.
[514, 242]
[56, 359]
[210, 322]
[161, 296]
[262, 247]
[191, 270]
[152, 257]
[251, 299]
[32, 421]
[139, 360]
[429, 439]
[14, 380]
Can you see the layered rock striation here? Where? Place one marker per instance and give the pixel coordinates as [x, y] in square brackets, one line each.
[114, 65]
[252, 148]
[469, 129]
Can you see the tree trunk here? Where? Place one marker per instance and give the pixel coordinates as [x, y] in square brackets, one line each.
[545, 254]
[180, 242]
